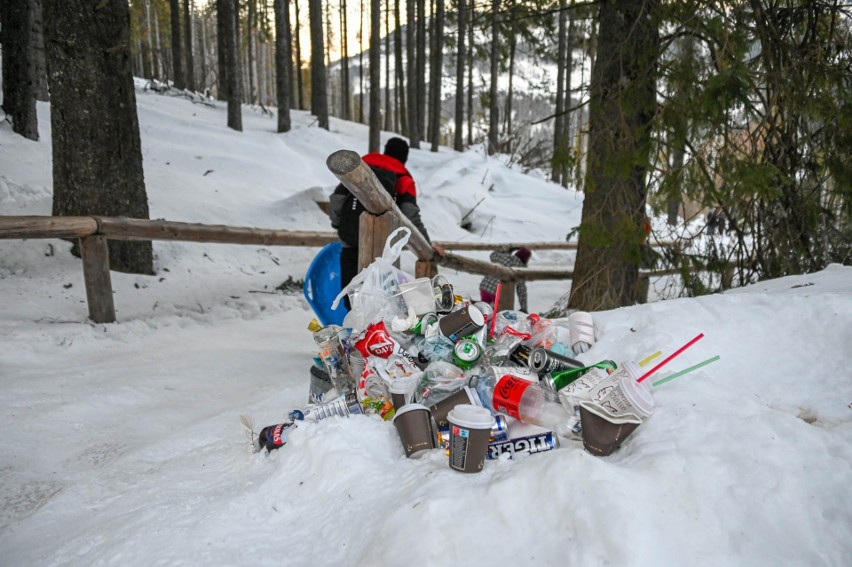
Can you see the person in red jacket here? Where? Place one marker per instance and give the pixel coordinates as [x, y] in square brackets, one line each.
[345, 210]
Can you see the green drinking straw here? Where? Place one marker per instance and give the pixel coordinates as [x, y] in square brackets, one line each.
[686, 371]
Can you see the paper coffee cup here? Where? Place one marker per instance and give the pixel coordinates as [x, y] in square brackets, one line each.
[621, 394]
[470, 433]
[461, 322]
[440, 410]
[399, 392]
[414, 425]
[603, 433]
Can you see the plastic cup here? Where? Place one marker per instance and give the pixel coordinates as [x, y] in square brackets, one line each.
[581, 329]
[440, 410]
[603, 433]
[413, 423]
[400, 391]
[470, 433]
[418, 295]
[621, 394]
[461, 322]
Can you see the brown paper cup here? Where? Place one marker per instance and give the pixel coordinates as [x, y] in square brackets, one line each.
[414, 425]
[470, 433]
[440, 410]
[604, 433]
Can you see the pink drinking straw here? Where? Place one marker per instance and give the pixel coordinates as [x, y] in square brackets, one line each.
[494, 315]
[671, 356]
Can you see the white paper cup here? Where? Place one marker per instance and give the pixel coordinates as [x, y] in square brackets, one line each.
[581, 328]
[470, 433]
[621, 394]
[418, 295]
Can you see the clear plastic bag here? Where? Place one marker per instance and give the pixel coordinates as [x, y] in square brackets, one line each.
[374, 293]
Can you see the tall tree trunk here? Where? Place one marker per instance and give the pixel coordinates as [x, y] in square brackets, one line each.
[346, 90]
[494, 108]
[155, 69]
[229, 14]
[436, 68]
[39, 62]
[92, 91]
[187, 39]
[513, 43]
[461, 56]
[421, 71]
[331, 85]
[283, 63]
[411, 66]
[205, 50]
[389, 114]
[177, 56]
[559, 120]
[361, 64]
[400, 72]
[319, 93]
[19, 81]
[470, 58]
[300, 90]
[375, 75]
[222, 49]
[567, 120]
[622, 106]
[251, 26]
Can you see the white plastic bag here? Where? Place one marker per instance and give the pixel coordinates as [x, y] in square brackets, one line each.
[374, 292]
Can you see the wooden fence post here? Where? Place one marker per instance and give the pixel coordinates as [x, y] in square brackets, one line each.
[95, 253]
[507, 296]
[425, 269]
[373, 231]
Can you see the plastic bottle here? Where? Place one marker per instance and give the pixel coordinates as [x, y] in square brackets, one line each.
[525, 401]
[343, 406]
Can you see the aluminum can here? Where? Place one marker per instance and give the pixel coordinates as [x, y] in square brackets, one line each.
[273, 436]
[543, 361]
[424, 322]
[521, 355]
[559, 379]
[530, 444]
[466, 353]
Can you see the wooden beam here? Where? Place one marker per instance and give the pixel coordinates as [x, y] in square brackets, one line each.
[47, 227]
[120, 228]
[95, 253]
[374, 231]
[356, 175]
[486, 246]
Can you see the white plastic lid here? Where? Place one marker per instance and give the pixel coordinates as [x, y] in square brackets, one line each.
[410, 407]
[475, 315]
[638, 392]
[471, 417]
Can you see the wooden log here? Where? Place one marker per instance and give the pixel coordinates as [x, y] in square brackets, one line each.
[487, 246]
[425, 269]
[351, 170]
[47, 227]
[95, 253]
[120, 228]
[374, 231]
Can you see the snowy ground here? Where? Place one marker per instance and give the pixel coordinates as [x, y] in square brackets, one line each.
[122, 444]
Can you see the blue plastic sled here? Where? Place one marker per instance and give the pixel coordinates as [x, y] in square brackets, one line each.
[322, 285]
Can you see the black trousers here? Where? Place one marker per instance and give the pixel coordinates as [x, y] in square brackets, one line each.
[348, 269]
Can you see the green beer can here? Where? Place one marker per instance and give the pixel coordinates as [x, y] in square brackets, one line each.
[466, 353]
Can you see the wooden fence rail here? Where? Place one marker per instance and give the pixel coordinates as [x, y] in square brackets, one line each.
[381, 217]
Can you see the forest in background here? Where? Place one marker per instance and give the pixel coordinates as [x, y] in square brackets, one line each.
[726, 118]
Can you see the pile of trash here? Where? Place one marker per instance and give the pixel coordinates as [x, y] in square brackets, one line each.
[451, 374]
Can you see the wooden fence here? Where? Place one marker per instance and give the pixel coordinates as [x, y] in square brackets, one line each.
[381, 217]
